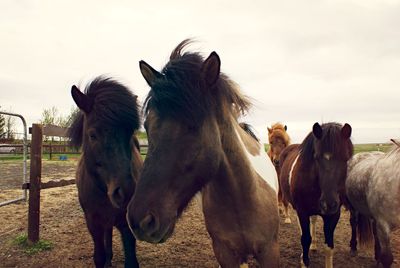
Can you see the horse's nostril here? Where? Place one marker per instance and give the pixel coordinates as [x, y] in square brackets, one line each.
[118, 196]
[148, 224]
[333, 205]
[323, 205]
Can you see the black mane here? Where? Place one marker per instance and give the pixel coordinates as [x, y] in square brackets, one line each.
[331, 141]
[114, 105]
[182, 94]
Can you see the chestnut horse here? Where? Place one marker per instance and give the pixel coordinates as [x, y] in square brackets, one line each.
[278, 140]
[196, 144]
[109, 165]
[313, 178]
[373, 190]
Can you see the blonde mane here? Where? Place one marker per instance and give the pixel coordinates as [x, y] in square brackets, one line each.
[278, 130]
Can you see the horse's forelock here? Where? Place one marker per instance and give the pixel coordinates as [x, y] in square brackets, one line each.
[179, 93]
[278, 130]
[331, 141]
[114, 105]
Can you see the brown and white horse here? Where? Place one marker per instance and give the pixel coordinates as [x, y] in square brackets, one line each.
[278, 140]
[373, 190]
[196, 144]
[313, 178]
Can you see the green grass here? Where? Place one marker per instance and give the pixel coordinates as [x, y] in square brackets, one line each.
[46, 156]
[22, 241]
[366, 147]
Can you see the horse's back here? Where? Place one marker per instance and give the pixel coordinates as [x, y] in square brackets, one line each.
[287, 158]
[360, 168]
[371, 186]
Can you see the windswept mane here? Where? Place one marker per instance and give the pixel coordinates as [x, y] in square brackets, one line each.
[394, 151]
[113, 104]
[278, 130]
[331, 142]
[181, 92]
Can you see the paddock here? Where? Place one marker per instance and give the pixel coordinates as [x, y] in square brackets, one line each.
[62, 224]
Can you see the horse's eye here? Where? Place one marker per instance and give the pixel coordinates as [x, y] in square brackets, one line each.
[192, 128]
[92, 136]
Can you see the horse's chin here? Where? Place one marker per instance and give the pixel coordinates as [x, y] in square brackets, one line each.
[328, 213]
[157, 238]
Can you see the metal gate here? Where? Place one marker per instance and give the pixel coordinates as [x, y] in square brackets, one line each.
[24, 153]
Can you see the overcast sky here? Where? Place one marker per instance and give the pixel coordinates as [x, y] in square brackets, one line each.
[301, 61]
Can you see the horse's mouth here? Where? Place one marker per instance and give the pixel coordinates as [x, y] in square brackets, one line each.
[158, 237]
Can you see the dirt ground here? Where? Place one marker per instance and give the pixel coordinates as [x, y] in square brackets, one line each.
[62, 224]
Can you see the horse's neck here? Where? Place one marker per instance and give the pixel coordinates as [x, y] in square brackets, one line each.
[235, 175]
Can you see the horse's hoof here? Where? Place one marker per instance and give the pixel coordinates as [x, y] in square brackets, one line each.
[302, 265]
[288, 221]
[353, 253]
[313, 246]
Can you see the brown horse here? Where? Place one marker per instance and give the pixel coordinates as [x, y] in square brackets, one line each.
[312, 178]
[196, 144]
[109, 165]
[373, 190]
[278, 140]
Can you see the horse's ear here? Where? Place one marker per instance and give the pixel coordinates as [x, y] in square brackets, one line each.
[317, 130]
[211, 68]
[346, 131]
[269, 130]
[81, 100]
[148, 72]
[285, 127]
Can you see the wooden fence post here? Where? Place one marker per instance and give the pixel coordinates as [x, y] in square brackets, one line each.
[35, 180]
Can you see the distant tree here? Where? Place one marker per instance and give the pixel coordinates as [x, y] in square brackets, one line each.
[50, 116]
[2, 126]
[66, 121]
[10, 125]
[7, 126]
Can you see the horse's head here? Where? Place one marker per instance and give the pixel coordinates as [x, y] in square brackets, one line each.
[184, 141]
[278, 140]
[108, 117]
[332, 148]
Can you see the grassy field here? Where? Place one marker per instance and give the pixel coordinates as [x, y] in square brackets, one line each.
[367, 147]
[55, 157]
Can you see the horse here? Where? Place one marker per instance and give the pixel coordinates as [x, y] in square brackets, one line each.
[312, 178]
[373, 192]
[278, 140]
[110, 163]
[196, 144]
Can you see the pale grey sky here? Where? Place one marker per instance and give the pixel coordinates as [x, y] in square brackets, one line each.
[301, 61]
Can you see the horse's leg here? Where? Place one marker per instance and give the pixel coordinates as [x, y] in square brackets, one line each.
[108, 246]
[304, 221]
[97, 232]
[383, 231]
[330, 222]
[353, 241]
[129, 242]
[313, 232]
[269, 257]
[286, 210]
[377, 247]
[225, 257]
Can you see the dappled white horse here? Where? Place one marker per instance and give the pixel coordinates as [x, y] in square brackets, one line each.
[373, 190]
